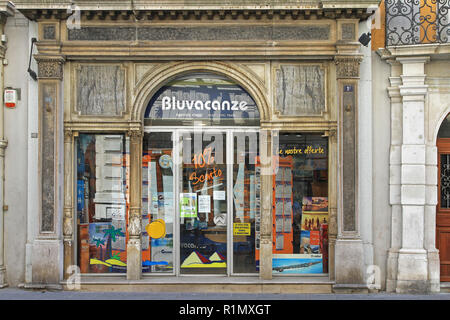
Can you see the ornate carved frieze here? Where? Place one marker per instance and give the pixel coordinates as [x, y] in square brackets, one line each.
[50, 67]
[305, 32]
[221, 12]
[347, 66]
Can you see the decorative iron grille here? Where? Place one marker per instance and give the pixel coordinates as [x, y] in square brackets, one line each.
[445, 181]
[417, 22]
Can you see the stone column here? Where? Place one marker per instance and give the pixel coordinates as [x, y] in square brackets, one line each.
[6, 10]
[68, 202]
[266, 246]
[333, 156]
[412, 275]
[394, 175]
[134, 253]
[47, 246]
[349, 253]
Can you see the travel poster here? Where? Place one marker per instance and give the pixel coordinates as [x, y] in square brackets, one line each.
[297, 263]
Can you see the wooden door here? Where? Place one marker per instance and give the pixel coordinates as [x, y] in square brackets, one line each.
[443, 207]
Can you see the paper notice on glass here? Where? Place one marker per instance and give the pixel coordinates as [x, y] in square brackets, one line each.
[145, 242]
[219, 195]
[168, 198]
[252, 197]
[153, 182]
[279, 208]
[279, 224]
[188, 205]
[287, 191]
[287, 175]
[287, 225]
[204, 203]
[279, 242]
[279, 176]
[287, 207]
[238, 192]
[279, 188]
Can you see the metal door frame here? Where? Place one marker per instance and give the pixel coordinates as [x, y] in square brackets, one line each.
[177, 154]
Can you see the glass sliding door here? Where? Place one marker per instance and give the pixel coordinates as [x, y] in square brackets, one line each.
[203, 203]
[246, 201]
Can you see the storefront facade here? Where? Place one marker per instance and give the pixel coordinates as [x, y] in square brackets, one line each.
[215, 146]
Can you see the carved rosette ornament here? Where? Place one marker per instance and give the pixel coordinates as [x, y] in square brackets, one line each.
[347, 67]
[50, 67]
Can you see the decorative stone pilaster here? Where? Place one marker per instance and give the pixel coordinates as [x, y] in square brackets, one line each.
[266, 245]
[332, 204]
[412, 273]
[134, 254]
[68, 201]
[349, 253]
[48, 245]
[394, 176]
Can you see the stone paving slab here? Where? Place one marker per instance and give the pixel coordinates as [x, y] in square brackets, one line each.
[21, 294]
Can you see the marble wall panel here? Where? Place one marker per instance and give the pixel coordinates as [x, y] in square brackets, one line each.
[48, 114]
[300, 90]
[101, 90]
[349, 157]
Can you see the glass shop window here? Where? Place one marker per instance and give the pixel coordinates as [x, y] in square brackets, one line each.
[157, 203]
[102, 202]
[300, 205]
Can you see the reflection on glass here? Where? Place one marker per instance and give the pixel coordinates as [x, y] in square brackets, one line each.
[102, 202]
[157, 203]
[300, 202]
[203, 205]
[246, 202]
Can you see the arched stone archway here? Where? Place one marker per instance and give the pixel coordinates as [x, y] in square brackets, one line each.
[159, 76]
[147, 87]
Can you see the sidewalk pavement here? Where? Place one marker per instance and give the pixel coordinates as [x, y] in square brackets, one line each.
[27, 294]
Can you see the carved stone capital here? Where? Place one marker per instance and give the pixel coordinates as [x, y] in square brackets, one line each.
[68, 134]
[135, 134]
[50, 67]
[347, 67]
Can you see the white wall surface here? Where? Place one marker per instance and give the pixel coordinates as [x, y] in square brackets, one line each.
[15, 125]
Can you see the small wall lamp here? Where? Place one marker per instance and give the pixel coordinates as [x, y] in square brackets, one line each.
[31, 72]
[364, 39]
